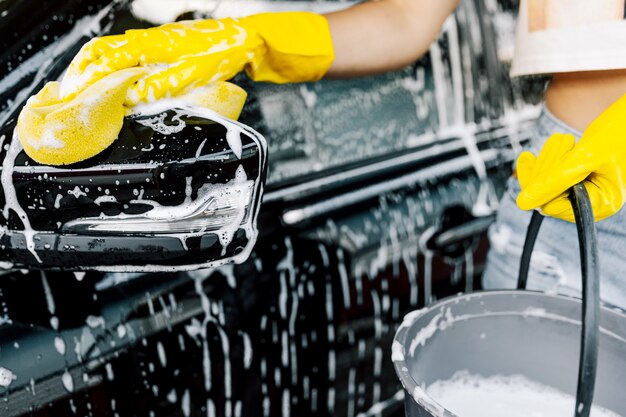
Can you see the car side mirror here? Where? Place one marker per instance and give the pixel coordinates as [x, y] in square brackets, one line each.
[179, 189]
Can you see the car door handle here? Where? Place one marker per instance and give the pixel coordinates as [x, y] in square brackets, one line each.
[460, 233]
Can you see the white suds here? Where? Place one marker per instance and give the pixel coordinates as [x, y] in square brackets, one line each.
[162, 356]
[59, 345]
[6, 377]
[121, 331]
[397, 351]
[68, 381]
[468, 395]
[10, 195]
[185, 404]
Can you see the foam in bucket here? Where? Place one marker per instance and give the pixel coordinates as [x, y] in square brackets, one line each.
[469, 395]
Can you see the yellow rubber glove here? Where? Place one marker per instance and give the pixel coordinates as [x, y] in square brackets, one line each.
[599, 158]
[80, 117]
[275, 47]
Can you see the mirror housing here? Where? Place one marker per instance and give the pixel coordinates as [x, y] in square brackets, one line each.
[180, 189]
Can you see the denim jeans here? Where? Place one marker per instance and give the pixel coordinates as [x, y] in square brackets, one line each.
[555, 264]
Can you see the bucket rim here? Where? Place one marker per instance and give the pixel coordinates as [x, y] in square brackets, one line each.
[400, 342]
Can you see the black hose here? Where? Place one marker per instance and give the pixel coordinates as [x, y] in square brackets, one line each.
[529, 244]
[587, 240]
[589, 340]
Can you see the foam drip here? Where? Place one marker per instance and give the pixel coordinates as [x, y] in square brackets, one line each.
[6, 377]
[10, 195]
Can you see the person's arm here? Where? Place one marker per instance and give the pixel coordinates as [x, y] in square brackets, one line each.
[385, 35]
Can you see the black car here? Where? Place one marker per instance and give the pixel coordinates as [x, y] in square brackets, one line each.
[372, 198]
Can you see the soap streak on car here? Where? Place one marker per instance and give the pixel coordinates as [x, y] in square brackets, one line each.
[10, 197]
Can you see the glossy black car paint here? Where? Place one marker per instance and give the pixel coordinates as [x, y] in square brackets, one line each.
[358, 226]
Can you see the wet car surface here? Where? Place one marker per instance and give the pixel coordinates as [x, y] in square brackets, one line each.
[377, 199]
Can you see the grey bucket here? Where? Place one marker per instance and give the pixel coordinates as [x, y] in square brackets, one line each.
[506, 332]
[533, 334]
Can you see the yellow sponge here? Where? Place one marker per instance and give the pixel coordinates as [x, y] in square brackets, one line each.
[222, 97]
[56, 132]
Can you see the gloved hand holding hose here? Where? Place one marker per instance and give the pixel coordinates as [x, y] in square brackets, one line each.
[599, 158]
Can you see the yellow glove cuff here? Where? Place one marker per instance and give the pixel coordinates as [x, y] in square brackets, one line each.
[298, 47]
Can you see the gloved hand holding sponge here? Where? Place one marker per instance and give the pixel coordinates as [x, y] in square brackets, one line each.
[275, 47]
[598, 159]
[79, 117]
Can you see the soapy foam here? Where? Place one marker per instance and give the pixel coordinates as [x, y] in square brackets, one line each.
[200, 329]
[469, 271]
[247, 350]
[185, 403]
[59, 345]
[157, 123]
[377, 409]
[237, 192]
[397, 351]
[10, 195]
[68, 381]
[486, 201]
[6, 377]
[468, 395]
[428, 260]
[445, 318]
